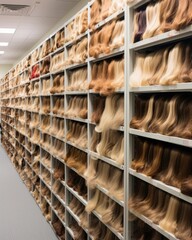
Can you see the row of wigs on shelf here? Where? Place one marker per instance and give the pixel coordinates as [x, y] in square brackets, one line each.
[167, 114]
[107, 76]
[108, 38]
[160, 17]
[101, 9]
[170, 213]
[168, 66]
[175, 168]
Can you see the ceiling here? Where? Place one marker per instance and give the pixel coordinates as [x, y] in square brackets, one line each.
[30, 26]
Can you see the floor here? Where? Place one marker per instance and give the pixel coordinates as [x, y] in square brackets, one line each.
[20, 217]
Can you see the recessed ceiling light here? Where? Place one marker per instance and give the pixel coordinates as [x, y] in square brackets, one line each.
[7, 30]
[4, 44]
[2, 52]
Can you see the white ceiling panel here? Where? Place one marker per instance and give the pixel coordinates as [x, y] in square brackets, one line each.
[10, 21]
[21, 2]
[52, 9]
[6, 37]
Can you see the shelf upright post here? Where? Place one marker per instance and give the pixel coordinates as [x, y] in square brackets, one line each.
[89, 107]
[65, 127]
[126, 119]
[129, 109]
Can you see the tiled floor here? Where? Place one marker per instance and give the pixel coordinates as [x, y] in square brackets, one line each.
[20, 217]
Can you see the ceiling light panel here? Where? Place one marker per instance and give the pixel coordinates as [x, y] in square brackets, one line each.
[7, 30]
[4, 44]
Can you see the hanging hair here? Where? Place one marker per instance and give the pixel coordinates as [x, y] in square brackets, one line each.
[167, 13]
[186, 186]
[136, 76]
[169, 222]
[183, 230]
[153, 20]
[110, 114]
[139, 26]
[182, 20]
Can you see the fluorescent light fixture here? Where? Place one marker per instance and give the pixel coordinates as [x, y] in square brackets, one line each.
[4, 44]
[2, 52]
[7, 30]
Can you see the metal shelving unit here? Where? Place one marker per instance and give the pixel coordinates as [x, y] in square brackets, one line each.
[12, 107]
[14, 104]
[156, 42]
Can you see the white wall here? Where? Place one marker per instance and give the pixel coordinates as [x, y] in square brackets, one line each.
[4, 68]
[61, 22]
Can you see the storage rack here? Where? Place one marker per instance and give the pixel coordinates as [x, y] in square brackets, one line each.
[19, 127]
[133, 48]
[11, 130]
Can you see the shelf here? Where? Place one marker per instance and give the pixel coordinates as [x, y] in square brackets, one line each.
[121, 128]
[57, 71]
[35, 142]
[160, 137]
[6, 122]
[169, 189]
[45, 95]
[63, 182]
[154, 226]
[47, 200]
[33, 111]
[45, 166]
[76, 65]
[34, 79]
[44, 148]
[70, 232]
[78, 173]
[58, 197]
[7, 115]
[55, 115]
[77, 219]
[107, 160]
[57, 51]
[138, 3]
[76, 92]
[23, 133]
[47, 185]
[5, 98]
[43, 113]
[114, 16]
[28, 163]
[180, 87]
[80, 198]
[77, 119]
[119, 235]
[28, 150]
[54, 136]
[58, 158]
[70, 43]
[21, 84]
[116, 52]
[56, 213]
[58, 94]
[116, 91]
[106, 192]
[45, 75]
[76, 146]
[162, 38]
[42, 131]
[74, 215]
[41, 60]
[35, 95]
